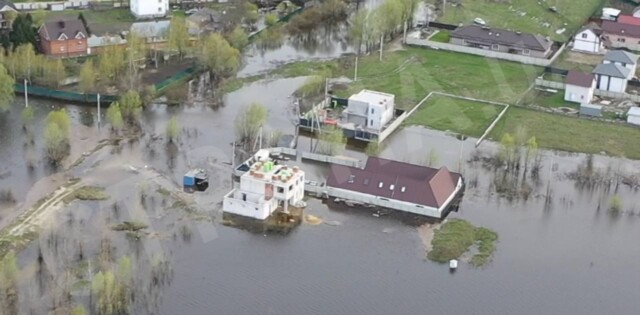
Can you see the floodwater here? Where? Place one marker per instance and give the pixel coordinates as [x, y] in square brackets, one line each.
[569, 256]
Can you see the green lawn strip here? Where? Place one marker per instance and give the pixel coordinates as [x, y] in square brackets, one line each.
[571, 134]
[456, 236]
[411, 74]
[457, 115]
[503, 14]
[553, 100]
[87, 193]
[441, 36]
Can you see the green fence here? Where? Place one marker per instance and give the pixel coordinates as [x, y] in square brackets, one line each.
[65, 95]
[184, 74]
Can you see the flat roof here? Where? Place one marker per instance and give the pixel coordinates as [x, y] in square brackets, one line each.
[372, 97]
[635, 111]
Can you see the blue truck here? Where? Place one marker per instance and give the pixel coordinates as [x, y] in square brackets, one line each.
[195, 180]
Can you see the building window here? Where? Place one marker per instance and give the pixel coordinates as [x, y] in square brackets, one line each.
[291, 187]
[622, 40]
[366, 181]
[391, 187]
[351, 179]
[526, 52]
[495, 46]
[371, 122]
[381, 185]
[280, 190]
[584, 35]
[372, 111]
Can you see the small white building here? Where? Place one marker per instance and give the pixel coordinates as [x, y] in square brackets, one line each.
[588, 39]
[370, 109]
[633, 116]
[611, 77]
[265, 188]
[145, 9]
[624, 59]
[610, 14]
[579, 87]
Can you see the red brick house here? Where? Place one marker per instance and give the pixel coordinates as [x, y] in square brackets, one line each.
[63, 38]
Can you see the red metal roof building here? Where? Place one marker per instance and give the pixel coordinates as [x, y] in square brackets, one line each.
[398, 185]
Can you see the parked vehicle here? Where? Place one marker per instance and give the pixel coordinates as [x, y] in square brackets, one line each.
[479, 21]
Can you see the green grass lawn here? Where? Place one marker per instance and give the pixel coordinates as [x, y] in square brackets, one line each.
[105, 21]
[553, 100]
[456, 236]
[456, 115]
[504, 14]
[441, 36]
[571, 134]
[412, 73]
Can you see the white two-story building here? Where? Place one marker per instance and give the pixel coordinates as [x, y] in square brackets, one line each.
[266, 187]
[370, 109]
[145, 9]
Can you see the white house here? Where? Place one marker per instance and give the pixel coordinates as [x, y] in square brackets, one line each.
[5, 8]
[611, 77]
[370, 109]
[579, 87]
[610, 14]
[265, 188]
[588, 39]
[142, 9]
[633, 116]
[636, 12]
[624, 59]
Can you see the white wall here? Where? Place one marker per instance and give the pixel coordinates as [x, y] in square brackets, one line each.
[591, 43]
[578, 94]
[632, 119]
[259, 211]
[612, 84]
[149, 8]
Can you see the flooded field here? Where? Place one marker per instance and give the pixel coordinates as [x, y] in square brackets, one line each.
[561, 248]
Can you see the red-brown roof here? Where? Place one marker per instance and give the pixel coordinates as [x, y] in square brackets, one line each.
[628, 19]
[400, 181]
[580, 78]
[629, 30]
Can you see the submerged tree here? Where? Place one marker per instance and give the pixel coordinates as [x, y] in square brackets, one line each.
[87, 77]
[373, 148]
[173, 129]
[9, 284]
[238, 38]
[217, 56]
[332, 140]
[130, 107]
[112, 290]
[114, 117]
[6, 88]
[248, 122]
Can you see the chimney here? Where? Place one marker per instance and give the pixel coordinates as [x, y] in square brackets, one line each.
[61, 24]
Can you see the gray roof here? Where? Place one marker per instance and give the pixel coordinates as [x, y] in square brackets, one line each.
[595, 28]
[4, 3]
[205, 15]
[151, 29]
[105, 40]
[612, 70]
[621, 56]
[502, 37]
[69, 28]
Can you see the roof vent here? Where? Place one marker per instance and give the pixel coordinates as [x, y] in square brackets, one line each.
[61, 24]
[622, 31]
[403, 189]
[381, 185]
[490, 33]
[497, 34]
[391, 187]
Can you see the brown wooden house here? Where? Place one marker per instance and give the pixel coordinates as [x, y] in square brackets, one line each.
[63, 38]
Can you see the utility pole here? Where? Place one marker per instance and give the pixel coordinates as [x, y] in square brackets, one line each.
[99, 116]
[381, 42]
[26, 95]
[355, 72]
[404, 34]
[461, 149]
[444, 6]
